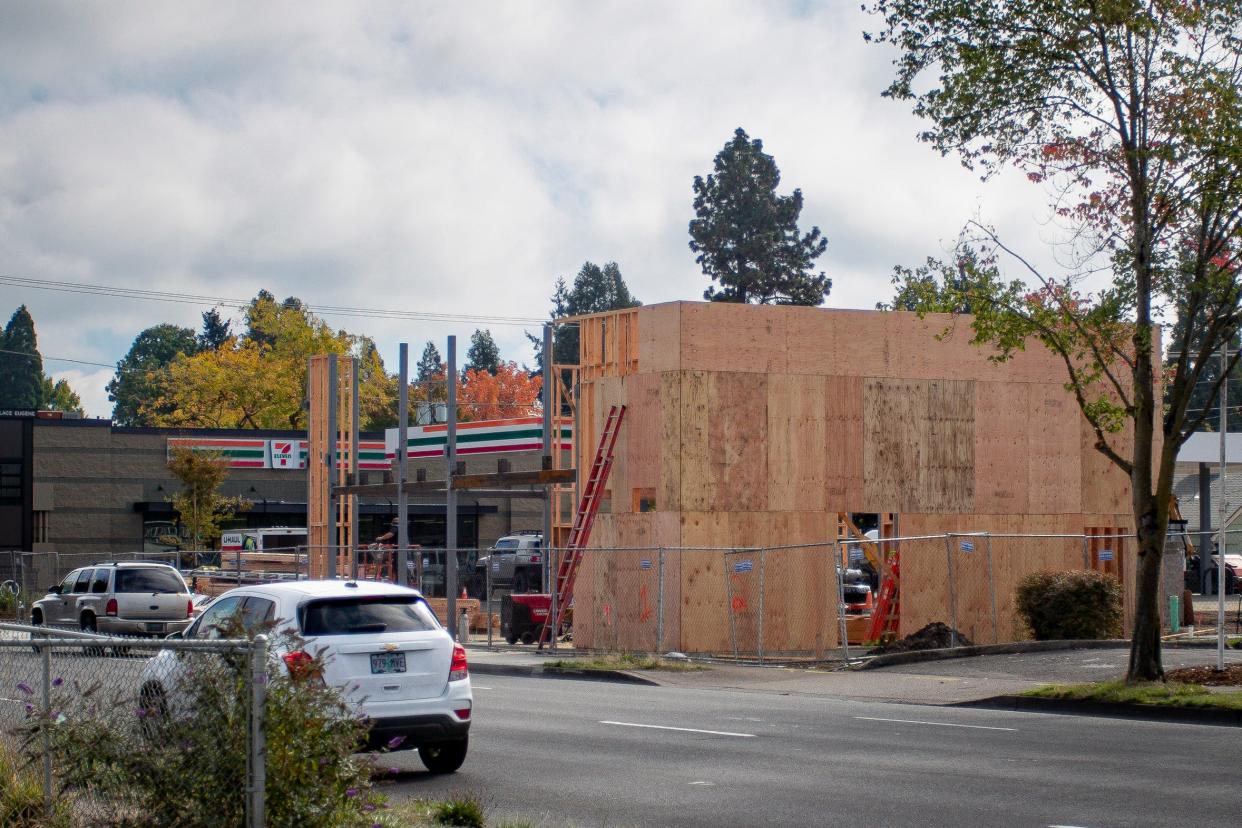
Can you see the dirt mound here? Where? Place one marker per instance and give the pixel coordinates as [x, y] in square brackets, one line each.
[1208, 676]
[935, 636]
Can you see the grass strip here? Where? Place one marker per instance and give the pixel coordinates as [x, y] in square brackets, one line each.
[626, 661]
[1156, 694]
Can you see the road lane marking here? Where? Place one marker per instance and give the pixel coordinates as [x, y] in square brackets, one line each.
[480, 687]
[681, 729]
[936, 724]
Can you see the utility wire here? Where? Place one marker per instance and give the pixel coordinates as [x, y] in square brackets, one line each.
[196, 299]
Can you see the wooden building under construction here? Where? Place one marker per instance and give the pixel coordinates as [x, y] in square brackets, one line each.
[757, 426]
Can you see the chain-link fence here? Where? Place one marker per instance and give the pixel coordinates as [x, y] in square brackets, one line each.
[79, 712]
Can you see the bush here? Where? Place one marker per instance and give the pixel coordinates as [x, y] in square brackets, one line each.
[1070, 605]
[465, 811]
[21, 795]
[184, 763]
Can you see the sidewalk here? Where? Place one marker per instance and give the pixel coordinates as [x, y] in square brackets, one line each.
[949, 682]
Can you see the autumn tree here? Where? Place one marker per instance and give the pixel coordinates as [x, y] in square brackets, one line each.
[21, 364]
[1130, 114]
[200, 506]
[58, 395]
[509, 391]
[747, 237]
[135, 386]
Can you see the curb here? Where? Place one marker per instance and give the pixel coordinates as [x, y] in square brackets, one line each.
[539, 671]
[917, 656]
[1144, 712]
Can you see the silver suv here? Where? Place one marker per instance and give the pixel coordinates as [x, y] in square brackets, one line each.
[118, 599]
[515, 561]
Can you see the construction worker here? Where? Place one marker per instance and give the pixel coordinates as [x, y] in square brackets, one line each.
[389, 538]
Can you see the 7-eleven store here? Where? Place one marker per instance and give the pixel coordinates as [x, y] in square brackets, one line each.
[93, 491]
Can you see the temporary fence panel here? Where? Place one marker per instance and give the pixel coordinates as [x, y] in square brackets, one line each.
[62, 694]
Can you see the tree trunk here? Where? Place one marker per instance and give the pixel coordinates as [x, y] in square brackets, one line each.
[1145, 658]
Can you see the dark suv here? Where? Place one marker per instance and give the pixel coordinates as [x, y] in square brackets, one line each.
[118, 599]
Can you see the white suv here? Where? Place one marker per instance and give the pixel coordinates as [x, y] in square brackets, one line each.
[382, 646]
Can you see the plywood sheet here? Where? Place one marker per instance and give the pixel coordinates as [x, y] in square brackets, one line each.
[894, 415]
[1054, 467]
[947, 473]
[795, 443]
[669, 437]
[862, 345]
[843, 444]
[659, 338]
[723, 336]
[1001, 438]
[696, 477]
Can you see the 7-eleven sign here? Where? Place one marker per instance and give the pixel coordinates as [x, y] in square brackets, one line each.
[288, 454]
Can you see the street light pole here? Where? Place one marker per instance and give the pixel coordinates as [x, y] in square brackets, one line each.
[1222, 509]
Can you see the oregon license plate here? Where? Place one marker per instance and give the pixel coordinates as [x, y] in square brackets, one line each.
[156, 627]
[387, 662]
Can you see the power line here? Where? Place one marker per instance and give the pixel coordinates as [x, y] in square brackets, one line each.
[197, 299]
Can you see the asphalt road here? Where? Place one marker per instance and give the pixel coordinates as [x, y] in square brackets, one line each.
[562, 752]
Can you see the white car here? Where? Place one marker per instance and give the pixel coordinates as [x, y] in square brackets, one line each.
[382, 646]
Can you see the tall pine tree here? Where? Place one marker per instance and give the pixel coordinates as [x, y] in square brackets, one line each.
[483, 354]
[746, 236]
[21, 365]
[596, 290]
[216, 331]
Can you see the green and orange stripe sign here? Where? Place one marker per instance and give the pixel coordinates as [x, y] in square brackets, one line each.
[482, 437]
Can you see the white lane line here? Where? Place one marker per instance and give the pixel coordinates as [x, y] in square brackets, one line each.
[681, 729]
[480, 687]
[936, 724]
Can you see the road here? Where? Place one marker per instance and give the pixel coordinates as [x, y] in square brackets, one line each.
[561, 752]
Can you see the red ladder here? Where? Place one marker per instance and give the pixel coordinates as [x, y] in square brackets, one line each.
[580, 534]
[886, 616]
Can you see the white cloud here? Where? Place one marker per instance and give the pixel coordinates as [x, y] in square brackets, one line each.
[441, 158]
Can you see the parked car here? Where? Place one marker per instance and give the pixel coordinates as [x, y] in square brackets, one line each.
[514, 562]
[1233, 573]
[381, 645]
[141, 599]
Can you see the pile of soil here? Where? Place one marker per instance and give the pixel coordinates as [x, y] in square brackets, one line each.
[1207, 675]
[935, 636]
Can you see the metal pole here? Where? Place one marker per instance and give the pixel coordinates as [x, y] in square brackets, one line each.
[992, 593]
[403, 497]
[257, 758]
[1222, 509]
[333, 517]
[660, 603]
[487, 579]
[1086, 552]
[729, 607]
[353, 473]
[46, 652]
[548, 404]
[839, 568]
[948, 553]
[761, 568]
[1205, 524]
[450, 497]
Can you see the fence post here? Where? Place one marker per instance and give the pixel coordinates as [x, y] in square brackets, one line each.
[729, 605]
[257, 756]
[487, 591]
[660, 603]
[46, 652]
[761, 568]
[1086, 554]
[839, 568]
[992, 593]
[948, 554]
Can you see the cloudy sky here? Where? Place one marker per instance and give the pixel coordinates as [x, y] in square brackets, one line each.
[437, 157]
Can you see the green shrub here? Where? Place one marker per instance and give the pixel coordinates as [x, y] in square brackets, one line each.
[1070, 605]
[21, 795]
[184, 764]
[465, 811]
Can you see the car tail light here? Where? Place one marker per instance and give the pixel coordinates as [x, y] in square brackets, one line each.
[302, 666]
[111, 609]
[464, 713]
[189, 608]
[457, 670]
[534, 559]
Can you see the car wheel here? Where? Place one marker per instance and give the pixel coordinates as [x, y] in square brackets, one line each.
[445, 757]
[88, 625]
[36, 620]
[155, 704]
[512, 639]
[528, 637]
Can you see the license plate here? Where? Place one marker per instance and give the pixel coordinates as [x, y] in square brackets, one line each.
[153, 627]
[387, 662]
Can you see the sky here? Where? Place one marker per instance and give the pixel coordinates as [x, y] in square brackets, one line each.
[439, 158]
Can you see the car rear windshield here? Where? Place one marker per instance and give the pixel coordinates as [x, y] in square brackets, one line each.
[364, 616]
[148, 580]
[507, 543]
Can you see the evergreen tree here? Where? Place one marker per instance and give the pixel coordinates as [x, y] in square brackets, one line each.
[484, 353]
[747, 236]
[216, 331]
[136, 383]
[596, 290]
[430, 365]
[21, 365]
